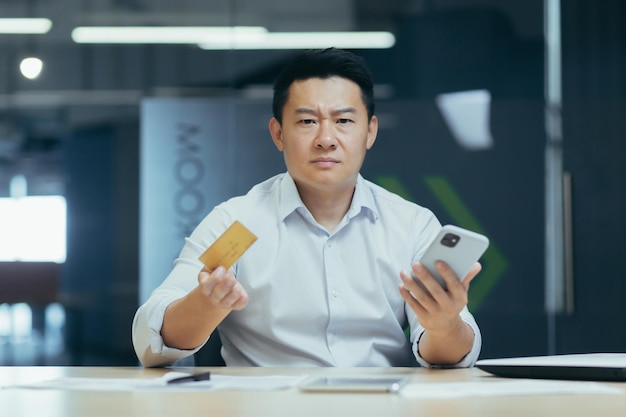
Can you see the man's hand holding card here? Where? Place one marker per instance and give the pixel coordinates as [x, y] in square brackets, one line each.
[228, 247]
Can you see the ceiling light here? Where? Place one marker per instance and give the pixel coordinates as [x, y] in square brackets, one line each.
[31, 67]
[166, 34]
[231, 37]
[25, 25]
[309, 40]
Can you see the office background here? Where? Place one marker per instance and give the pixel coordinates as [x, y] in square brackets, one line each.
[79, 131]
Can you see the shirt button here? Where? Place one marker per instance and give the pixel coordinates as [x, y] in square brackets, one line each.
[335, 293]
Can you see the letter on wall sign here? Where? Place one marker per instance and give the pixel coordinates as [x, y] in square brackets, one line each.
[184, 148]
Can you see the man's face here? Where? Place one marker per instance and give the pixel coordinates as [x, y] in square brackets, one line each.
[325, 133]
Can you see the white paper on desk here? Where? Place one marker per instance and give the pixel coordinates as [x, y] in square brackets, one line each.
[217, 383]
[505, 388]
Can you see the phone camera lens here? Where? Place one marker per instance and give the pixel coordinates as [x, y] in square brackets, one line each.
[450, 240]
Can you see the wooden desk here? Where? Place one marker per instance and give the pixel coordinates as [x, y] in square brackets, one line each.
[292, 402]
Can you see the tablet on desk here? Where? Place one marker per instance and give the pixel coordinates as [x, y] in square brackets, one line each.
[354, 384]
[585, 367]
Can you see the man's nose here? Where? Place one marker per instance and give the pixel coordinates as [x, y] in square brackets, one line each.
[325, 137]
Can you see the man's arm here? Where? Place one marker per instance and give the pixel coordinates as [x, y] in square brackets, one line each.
[447, 338]
[190, 320]
[172, 323]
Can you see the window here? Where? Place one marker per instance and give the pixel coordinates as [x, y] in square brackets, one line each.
[33, 228]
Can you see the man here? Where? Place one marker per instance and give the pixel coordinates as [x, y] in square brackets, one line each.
[324, 284]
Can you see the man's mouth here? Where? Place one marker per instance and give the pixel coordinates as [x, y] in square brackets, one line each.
[325, 162]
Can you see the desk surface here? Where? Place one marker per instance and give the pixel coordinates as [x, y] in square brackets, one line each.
[293, 403]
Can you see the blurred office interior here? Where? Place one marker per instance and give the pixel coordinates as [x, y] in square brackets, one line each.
[503, 116]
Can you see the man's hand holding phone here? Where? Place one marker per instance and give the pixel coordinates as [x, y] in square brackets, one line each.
[447, 339]
[436, 307]
[437, 294]
[439, 283]
[459, 248]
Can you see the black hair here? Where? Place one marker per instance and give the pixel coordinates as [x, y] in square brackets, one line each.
[324, 63]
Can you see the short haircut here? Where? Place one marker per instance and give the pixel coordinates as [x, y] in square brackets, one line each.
[324, 63]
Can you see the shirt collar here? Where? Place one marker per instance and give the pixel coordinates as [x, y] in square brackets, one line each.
[362, 199]
[289, 199]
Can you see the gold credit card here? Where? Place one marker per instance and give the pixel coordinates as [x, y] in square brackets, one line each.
[228, 247]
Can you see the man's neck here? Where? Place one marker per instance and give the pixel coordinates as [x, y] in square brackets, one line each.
[328, 207]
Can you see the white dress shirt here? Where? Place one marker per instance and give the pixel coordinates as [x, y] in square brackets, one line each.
[316, 298]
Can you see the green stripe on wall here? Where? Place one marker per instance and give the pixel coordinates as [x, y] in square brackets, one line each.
[493, 261]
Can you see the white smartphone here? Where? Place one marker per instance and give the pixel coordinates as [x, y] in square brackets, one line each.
[459, 248]
[382, 383]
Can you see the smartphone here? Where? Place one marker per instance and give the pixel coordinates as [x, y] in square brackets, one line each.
[383, 383]
[459, 248]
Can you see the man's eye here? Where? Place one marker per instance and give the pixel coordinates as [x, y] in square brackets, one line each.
[307, 121]
[344, 121]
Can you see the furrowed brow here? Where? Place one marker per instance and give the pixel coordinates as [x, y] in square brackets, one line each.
[344, 110]
[303, 110]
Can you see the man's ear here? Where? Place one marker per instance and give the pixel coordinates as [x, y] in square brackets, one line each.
[276, 130]
[372, 132]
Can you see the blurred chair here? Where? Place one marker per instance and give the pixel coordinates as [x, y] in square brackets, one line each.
[210, 354]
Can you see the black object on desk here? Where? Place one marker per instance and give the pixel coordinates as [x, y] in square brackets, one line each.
[205, 376]
[583, 367]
